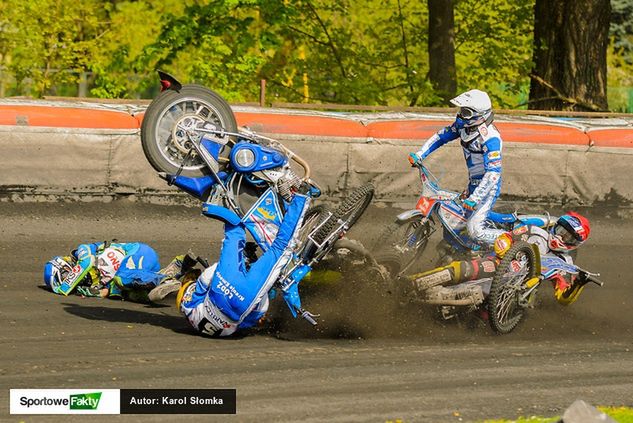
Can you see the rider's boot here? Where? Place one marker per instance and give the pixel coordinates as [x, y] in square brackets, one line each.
[166, 287]
[173, 268]
[568, 294]
[171, 285]
[179, 265]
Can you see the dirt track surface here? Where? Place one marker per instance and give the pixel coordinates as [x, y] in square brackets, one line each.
[381, 363]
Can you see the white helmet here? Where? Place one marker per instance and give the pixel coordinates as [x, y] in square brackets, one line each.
[475, 108]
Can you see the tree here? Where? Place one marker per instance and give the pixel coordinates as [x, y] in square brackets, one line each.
[52, 42]
[570, 55]
[493, 48]
[442, 48]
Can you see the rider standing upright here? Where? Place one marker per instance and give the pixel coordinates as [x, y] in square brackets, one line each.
[482, 146]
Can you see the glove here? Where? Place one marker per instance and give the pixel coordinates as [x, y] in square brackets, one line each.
[469, 204]
[414, 159]
[89, 291]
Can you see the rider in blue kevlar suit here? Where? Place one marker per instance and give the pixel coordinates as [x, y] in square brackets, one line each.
[108, 269]
[228, 295]
[482, 146]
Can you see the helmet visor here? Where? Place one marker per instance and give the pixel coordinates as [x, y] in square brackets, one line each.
[567, 236]
[467, 113]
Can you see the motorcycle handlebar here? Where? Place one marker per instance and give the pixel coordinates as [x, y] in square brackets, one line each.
[591, 277]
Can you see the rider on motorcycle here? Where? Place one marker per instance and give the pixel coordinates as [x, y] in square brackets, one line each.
[569, 232]
[233, 293]
[111, 269]
[482, 144]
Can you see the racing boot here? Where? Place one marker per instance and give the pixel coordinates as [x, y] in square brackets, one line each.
[166, 287]
[566, 293]
[173, 268]
[171, 285]
[180, 265]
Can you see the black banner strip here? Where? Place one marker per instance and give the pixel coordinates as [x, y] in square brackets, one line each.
[178, 401]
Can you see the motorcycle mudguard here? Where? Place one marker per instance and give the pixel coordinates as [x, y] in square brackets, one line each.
[551, 264]
[168, 82]
[404, 216]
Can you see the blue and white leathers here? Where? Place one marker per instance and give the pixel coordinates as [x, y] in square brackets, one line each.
[482, 152]
[227, 296]
[120, 265]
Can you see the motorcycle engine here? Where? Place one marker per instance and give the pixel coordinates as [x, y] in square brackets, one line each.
[284, 179]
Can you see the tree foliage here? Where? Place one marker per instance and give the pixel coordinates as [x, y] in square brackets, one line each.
[347, 51]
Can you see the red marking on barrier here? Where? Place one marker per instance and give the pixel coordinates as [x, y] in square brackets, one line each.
[139, 118]
[538, 133]
[612, 137]
[65, 117]
[302, 125]
[405, 129]
[325, 126]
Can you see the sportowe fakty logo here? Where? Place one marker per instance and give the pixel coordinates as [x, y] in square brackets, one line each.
[88, 401]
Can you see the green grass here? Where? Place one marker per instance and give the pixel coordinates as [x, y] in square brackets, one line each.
[619, 414]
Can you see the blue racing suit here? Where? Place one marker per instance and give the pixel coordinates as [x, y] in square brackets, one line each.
[227, 296]
[115, 266]
[483, 159]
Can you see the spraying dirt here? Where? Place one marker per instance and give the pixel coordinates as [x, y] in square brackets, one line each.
[372, 358]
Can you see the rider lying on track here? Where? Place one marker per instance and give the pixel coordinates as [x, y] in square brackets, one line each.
[113, 269]
[570, 232]
[233, 293]
[482, 146]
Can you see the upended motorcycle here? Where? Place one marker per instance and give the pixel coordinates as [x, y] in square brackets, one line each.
[190, 136]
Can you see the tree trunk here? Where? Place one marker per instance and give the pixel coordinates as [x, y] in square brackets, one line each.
[442, 48]
[570, 55]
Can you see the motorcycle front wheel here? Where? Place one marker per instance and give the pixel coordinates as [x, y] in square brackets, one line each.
[349, 211]
[164, 138]
[508, 297]
[401, 244]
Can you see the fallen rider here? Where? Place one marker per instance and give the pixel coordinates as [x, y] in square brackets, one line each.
[128, 270]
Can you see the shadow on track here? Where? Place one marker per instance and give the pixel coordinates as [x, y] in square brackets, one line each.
[177, 324]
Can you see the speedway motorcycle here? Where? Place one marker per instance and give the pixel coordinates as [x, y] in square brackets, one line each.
[519, 275]
[505, 296]
[190, 136]
[402, 242]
